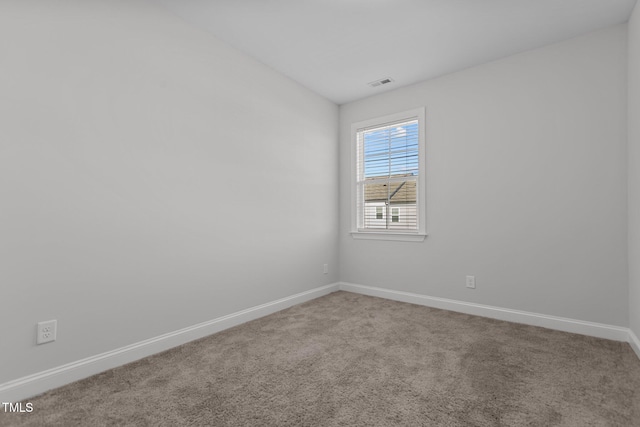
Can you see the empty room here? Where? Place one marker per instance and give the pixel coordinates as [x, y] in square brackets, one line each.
[320, 213]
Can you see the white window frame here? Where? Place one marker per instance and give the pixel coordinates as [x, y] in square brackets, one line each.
[378, 234]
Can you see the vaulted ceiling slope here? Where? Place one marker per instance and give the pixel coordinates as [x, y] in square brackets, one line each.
[336, 47]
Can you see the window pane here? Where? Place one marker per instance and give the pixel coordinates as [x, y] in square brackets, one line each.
[402, 200]
[391, 151]
[403, 150]
[375, 198]
[376, 153]
[399, 196]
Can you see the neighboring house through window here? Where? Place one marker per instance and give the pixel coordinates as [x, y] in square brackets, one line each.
[389, 175]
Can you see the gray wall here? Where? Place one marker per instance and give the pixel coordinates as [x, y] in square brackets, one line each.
[526, 184]
[634, 171]
[151, 178]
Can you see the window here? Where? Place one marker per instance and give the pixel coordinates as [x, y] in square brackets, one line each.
[395, 214]
[379, 212]
[388, 177]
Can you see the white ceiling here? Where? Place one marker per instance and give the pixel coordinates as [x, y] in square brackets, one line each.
[335, 47]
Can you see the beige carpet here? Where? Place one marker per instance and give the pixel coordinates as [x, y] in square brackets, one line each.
[352, 360]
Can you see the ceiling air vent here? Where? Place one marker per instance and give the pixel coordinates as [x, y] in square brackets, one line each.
[380, 82]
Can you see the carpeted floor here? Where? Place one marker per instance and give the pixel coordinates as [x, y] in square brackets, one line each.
[352, 360]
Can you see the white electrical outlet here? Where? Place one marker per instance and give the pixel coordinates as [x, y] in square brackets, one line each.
[325, 269]
[47, 331]
[471, 282]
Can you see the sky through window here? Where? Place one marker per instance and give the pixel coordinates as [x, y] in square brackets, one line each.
[391, 150]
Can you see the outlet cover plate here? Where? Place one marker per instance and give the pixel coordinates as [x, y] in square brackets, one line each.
[47, 331]
[471, 282]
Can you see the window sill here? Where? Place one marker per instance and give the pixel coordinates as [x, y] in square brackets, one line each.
[402, 237]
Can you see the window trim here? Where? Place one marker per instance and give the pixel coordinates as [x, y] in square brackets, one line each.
[409, 236]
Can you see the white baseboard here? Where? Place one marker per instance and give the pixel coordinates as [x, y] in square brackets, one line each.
[598, 330]
[23, 388]
[634, 342]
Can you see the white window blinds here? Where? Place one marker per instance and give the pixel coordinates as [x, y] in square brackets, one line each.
[388, 164]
